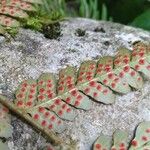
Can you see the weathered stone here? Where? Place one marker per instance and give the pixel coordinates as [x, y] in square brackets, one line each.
[30, 54]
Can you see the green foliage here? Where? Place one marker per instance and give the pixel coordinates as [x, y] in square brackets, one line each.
[143, 20]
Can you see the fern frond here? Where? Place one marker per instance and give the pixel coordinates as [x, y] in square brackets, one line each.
[46, 103]
[120, 139]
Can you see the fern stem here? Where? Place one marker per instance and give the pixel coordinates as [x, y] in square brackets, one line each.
[51, 135]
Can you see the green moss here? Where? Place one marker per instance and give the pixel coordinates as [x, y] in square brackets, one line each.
[52, 30]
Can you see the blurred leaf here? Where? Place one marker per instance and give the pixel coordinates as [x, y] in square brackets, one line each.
[142, 21]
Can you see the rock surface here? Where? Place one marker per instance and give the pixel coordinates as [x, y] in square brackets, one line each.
[30, 54]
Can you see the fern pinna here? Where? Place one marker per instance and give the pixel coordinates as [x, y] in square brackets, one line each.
[141, 140]
[11, 11]
[47, 103]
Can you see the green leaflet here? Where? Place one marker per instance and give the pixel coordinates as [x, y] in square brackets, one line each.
[3, 146]
[11, 11]
[49, 102]
[120, 140]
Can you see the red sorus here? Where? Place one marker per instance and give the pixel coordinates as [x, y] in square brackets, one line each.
[30, 96]
[70, 86]
[141, 54]
[20, 95]
[80, 79]
[41, 97]
[61, 82]
[92, 84]
[44, 123]
[148, 67]
[33, 85]
[36, 116]
[95, 94]
[147, 130]
[49, 81]
[105, 81]
[137, 67]
[60, 88]
[105, 91]
[41, 109]
[134, 143]
[24, 84]
[57, 101]
[116, 80]
[40, 82]
[5, 109]
[144, 138]
[113, 85]
[122, 148]
[41, 90]
[77, 103]
[50, 126]
[69, 78]
[89, 78]
[50, 96]
[87, 90]
[19, 103]
[59, 122]
[48, 91]
[132, 73]
[141, 61]
[81, 73]
[68, 99]
[74, 92]
[32, 91]
[100, 65]
[110, 75]
[122, 145]
[64, 106]
[49, 85]
[68, 110]
[53, 118]
[89, 73]
[79, 97]
[29, 103]
[23, 90]
[51, 107]
[126, 61]
[99, 87]
[108, 69]
[98, 71]
[46, 114]
[98, 146]
[126, 69]
[117, 62]
[60, 112]
[121, 74]
[139, 78]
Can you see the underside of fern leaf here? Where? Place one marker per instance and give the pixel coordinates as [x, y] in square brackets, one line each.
[11, 11]
[46, 103]
[119, 141]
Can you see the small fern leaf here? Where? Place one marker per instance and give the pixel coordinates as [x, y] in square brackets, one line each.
[140, 59]
[107, 76]
[34, 1]
[120, 140]
[69, 92]
[8, 22]
[90, 86]
[124, 71]
[13, 11]
[5, 127]
[3, 146]
[103, 142]
[47, 94]
[19, 3]
[142, 136]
